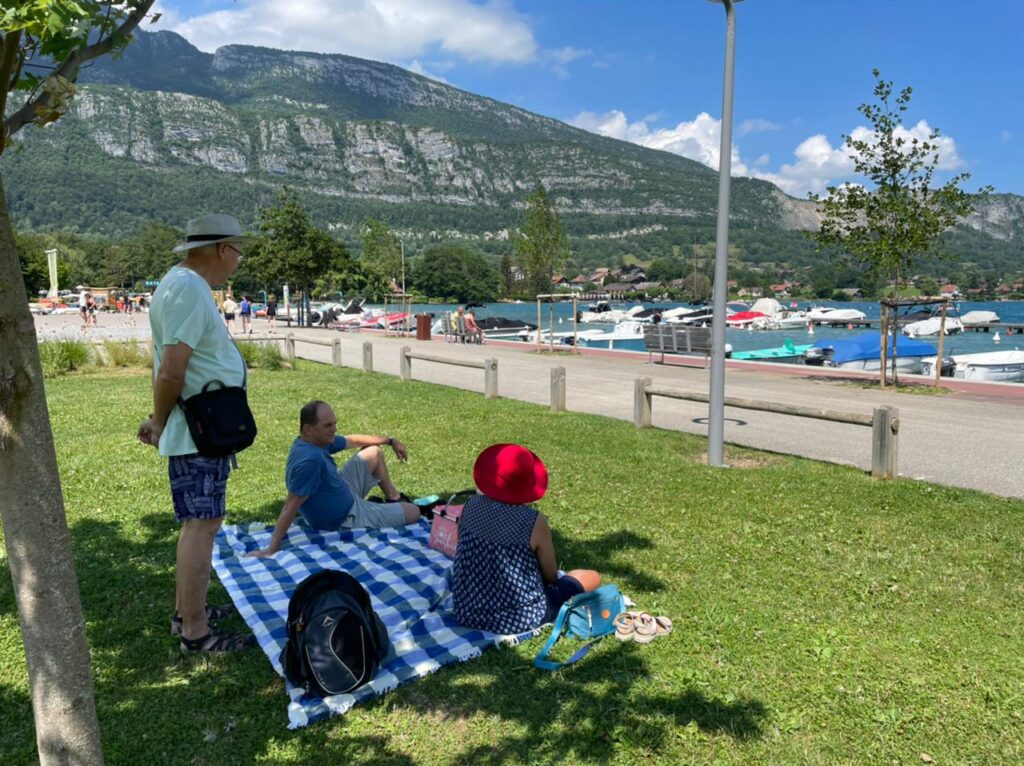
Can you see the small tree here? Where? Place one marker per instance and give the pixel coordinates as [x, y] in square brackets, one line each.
[892, 226]
[382, 251]
[541, 244]
[292, 250]
[456, 271]
[57, 37]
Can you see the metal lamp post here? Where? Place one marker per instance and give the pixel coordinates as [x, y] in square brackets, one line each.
[716, 394]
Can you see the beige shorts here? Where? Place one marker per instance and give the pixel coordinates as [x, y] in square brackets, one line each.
[364, 514]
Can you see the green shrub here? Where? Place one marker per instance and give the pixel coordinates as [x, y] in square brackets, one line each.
[269, 356]
[125, 353]
[248, 352]
[59, 357]
[265, 356]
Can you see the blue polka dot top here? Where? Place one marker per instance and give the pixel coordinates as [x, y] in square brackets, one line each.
[496, 581]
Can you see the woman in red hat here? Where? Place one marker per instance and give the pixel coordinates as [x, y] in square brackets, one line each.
[505, 578]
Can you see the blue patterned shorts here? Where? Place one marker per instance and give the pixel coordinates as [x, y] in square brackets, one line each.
[198, 486]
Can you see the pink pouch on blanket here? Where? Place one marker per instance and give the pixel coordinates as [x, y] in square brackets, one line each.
[444, 532]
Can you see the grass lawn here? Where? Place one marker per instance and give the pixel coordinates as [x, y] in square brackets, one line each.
[820, 617]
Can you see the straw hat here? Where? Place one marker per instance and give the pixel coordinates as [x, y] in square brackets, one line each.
[510, 474]
[209, 230]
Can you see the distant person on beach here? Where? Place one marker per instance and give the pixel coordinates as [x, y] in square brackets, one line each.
[230, 308]
[329, 498]
[505, 577]
[83, 308]
[191, 347]
[245, 311]
[271, 313]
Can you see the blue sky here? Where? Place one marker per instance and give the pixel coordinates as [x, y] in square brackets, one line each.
[651, 71]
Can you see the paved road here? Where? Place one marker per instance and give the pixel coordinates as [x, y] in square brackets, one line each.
[970, 437]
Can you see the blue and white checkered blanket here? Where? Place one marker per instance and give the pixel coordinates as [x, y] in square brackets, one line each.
[406, 579]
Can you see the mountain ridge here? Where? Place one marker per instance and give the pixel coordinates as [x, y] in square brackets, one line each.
[357, 138]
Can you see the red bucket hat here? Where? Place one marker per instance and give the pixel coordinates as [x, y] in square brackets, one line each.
[510, 474]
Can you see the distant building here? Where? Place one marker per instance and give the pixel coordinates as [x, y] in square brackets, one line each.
[949, 291]
[751, 292]
[852, 292]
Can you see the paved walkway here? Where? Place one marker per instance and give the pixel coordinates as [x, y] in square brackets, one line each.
[970, 437]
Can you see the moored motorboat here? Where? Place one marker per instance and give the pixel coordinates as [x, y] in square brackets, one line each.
[1000, 366]
[830, 315]
[863, 352]
[787, 353]
[979, 318]
[933, 326]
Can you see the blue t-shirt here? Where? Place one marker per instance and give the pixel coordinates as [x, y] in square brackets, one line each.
[311, 471]
[245, 307]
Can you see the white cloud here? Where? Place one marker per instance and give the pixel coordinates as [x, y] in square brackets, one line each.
[756, 126]
[417, 68]
[698, 139]
[818, 163]
[392, 30]
[562, 57]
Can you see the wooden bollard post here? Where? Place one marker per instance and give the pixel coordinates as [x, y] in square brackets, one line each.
[336, 352]
[289, 347]
[405, 364]
[557, 389]
[641, 403]
[367, 357]
[885, 442]
[491, 378]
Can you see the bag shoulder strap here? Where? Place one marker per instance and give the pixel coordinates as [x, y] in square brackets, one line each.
[541, 661]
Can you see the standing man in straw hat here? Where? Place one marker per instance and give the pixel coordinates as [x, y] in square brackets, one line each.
[191, 347]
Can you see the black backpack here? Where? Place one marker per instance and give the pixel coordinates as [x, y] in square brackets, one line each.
[336, 641]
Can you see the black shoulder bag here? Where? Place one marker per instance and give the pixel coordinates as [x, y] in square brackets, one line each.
[219, 419]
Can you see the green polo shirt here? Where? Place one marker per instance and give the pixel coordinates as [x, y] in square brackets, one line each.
[183, 311]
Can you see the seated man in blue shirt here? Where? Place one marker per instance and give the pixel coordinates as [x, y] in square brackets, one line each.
[330, 499]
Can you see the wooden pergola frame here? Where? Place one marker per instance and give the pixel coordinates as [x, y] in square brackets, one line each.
[890, 304]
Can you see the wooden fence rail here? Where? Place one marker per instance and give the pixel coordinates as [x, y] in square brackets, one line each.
[489, 366]
[884, 421]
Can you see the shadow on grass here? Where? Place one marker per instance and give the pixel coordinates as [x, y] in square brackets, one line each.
[577, 715]
[609, 555]
[157, 707]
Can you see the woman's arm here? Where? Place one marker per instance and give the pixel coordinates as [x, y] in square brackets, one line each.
[544, 548]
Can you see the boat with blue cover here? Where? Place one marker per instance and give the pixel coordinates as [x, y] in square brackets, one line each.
[864, 351]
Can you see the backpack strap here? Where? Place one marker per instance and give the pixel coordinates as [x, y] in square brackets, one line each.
[541, 661]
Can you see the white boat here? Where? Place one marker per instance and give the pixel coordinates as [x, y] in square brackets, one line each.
[603, 311]
[832, 315]
[1002, 366]
[628, 334]
[933, 326]
[979, 318]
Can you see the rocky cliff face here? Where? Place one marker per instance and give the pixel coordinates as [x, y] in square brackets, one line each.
[358, 137]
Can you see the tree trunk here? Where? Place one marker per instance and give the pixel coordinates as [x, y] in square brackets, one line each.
[36, 535]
